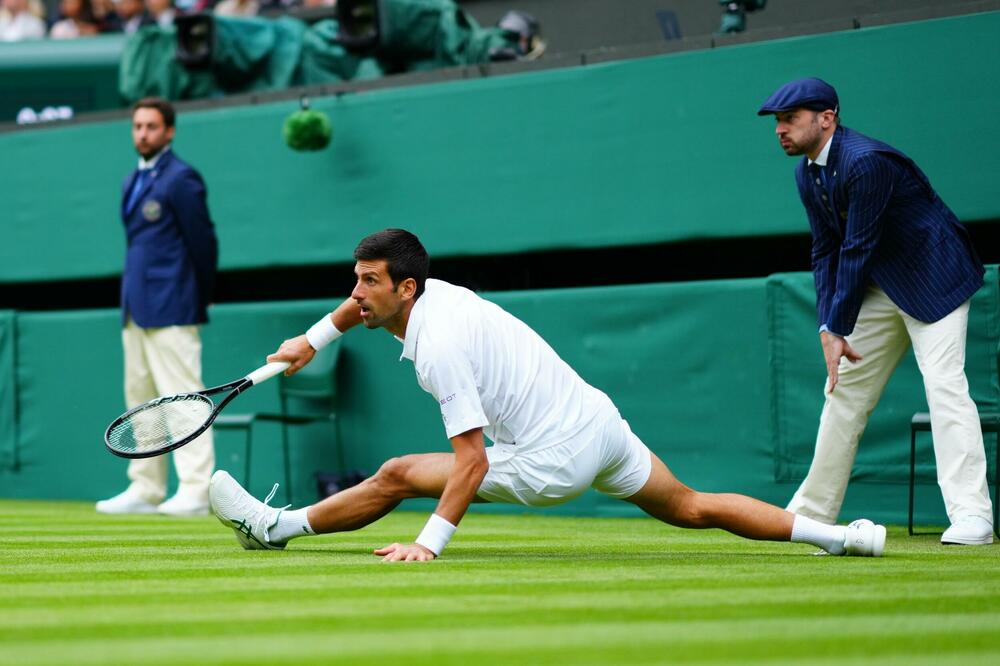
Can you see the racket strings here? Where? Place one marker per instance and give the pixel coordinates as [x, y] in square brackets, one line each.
[161, 423]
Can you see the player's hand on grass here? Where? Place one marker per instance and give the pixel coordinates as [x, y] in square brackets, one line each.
[835, 348]
[409, 552]
[296, 351]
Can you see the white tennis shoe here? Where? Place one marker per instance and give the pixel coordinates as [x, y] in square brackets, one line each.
[183, 505]
[969, 531]
[125, 502]
[247, 516]
[864, 539]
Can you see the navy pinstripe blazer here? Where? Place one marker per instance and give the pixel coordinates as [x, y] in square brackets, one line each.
[878, 220]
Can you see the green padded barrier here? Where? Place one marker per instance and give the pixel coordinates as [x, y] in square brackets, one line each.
[798, 374]
[8, 390]
[685, 364]
[659, 149]
[688, 365]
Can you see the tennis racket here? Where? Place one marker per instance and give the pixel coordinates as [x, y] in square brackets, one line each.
[170, 422]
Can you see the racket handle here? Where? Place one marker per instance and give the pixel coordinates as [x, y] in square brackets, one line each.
[265, 372]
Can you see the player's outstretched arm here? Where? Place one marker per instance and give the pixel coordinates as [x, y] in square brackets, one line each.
[298, 351]
[460, 489]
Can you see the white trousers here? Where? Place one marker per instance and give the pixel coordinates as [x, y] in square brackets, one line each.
[882, 334]
[163, 361]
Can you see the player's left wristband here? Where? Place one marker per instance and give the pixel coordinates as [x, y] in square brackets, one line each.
[436, 534]
[322, 333]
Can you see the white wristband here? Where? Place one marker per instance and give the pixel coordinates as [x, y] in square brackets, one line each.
[436, 534]
[322, 333]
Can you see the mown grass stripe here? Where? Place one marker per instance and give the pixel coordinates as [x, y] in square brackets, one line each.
[78, 588]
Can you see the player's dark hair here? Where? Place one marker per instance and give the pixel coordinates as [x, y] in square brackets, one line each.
[165, 108]
[404, 255]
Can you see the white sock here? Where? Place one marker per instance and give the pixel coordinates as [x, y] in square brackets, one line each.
[828, 537]
[290, 524]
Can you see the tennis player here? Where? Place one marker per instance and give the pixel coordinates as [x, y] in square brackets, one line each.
[553, 435]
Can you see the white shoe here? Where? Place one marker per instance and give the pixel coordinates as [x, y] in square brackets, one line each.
[969, 531]
[249, 517]
[864, 539]
[183, 505]
[125, 502]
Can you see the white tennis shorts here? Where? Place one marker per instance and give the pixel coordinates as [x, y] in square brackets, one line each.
[606, 456]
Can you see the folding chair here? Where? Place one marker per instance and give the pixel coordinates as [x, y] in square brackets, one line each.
[990, 422]
[308, 396]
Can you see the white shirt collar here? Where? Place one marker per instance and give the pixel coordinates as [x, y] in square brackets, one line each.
[823, 154]
[413, 326]
[151, 162]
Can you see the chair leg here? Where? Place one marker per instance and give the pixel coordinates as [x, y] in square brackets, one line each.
[913, 472]
[996, 489]
[246, 459]
[288, 467]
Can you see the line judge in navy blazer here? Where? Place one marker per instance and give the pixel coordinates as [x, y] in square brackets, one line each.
[172, 253]
[167, 284]
[892, 265]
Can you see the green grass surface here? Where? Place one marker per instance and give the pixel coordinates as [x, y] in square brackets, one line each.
[80, 588]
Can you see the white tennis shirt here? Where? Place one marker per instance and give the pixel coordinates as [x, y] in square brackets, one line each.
[487, 369]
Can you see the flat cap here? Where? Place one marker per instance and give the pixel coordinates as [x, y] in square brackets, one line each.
[810, 93]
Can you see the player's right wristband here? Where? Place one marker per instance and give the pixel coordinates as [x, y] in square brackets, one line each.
[322, 333]
[436, 534]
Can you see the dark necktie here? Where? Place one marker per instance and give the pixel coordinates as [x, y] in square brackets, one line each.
[137, 187]
[818, 174]
[820, 179]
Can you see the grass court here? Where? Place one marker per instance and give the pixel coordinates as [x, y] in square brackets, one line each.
[81, 588]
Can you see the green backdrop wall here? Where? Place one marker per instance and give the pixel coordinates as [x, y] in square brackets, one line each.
[629, 152]
[722, 379]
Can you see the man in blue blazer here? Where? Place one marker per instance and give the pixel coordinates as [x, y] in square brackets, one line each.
[166, 287]
[892, 265]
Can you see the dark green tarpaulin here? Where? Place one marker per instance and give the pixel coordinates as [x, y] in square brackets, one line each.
[254, 54]
[148, 69]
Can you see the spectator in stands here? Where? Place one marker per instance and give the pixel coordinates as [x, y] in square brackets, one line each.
[18, 23]
[133, 15]
[167, 284]
[162, 11]
[105, 16]
[893, 266]
[237, 8]
[275, 6]
[77, 20]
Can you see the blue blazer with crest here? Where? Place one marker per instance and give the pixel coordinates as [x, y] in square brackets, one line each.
[172, 251]
[878, 220]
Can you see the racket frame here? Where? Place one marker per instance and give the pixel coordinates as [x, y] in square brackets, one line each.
[234, 388]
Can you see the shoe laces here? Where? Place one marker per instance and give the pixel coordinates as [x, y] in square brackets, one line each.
[261, 521]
